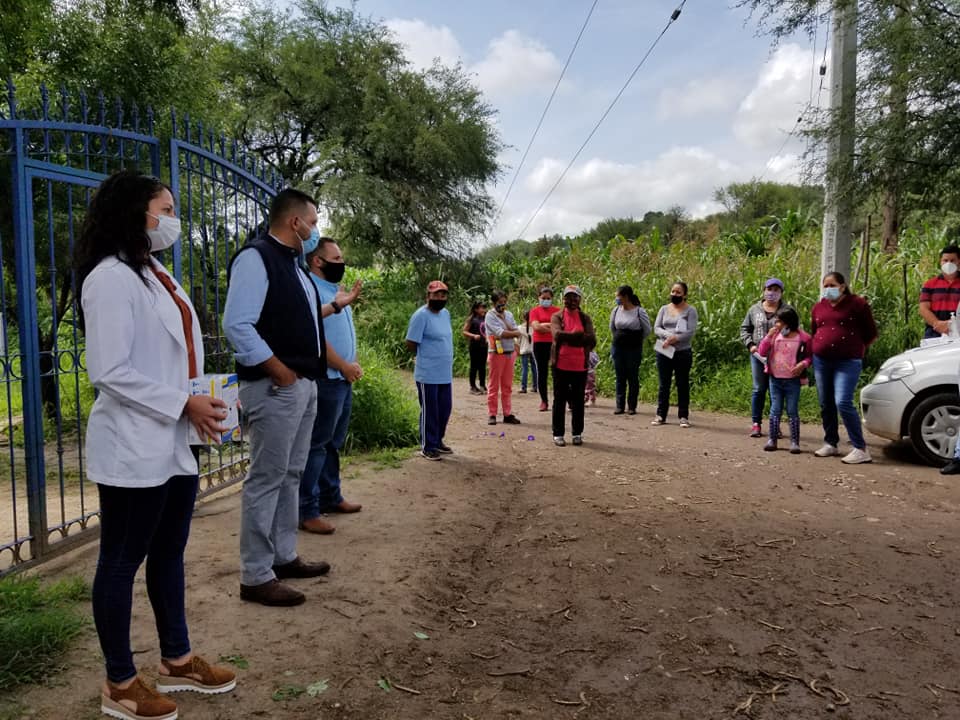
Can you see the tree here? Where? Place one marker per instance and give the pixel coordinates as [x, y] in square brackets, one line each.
[400, 158]
[750, 202]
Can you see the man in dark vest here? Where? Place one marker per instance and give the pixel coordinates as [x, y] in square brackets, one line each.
[271, 320]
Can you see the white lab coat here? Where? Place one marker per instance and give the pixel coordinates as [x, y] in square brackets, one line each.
[137, 359]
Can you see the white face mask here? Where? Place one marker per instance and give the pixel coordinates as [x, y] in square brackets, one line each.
[165, 234]
[949, 268]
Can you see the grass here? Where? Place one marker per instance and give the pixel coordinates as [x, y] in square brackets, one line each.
[37, 624]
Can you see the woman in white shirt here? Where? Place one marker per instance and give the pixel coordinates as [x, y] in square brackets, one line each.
[143, 344]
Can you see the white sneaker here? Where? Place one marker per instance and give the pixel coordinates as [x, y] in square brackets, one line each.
[857, 456]
[827, 450]
[657, 421]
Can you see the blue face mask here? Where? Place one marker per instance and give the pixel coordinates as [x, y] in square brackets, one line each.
[618, 301]
[546, 302]
[784, 331]
[831, 293]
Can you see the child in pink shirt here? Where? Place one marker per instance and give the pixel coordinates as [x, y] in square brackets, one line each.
[789, 352]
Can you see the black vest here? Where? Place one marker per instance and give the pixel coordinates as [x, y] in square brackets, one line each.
[286, 323]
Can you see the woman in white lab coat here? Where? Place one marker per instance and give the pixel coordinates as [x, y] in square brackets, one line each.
[143, 344]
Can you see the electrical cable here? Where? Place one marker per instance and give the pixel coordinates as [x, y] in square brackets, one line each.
[516, 173]
[673, 18]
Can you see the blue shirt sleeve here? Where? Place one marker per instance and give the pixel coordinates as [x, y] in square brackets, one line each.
[245, 298]
[418, 323]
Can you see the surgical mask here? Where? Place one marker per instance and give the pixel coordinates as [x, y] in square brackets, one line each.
[773, 295]
[546, 302]
[677, 299]
[313, 239]
[164, 234]
[949, 268]
[831, 293]
[333, 271]
[618, 301]
[784, 331]
[436, 305]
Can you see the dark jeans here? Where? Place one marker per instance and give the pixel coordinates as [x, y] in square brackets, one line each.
[436, 404]
[138, 523]
[784, 391]
[761, 383]
[541, 354]
[527, 363]
[626, 365]
[667, 368]
[568, 387]
[836, 383]
[320, 483]
[478, 364]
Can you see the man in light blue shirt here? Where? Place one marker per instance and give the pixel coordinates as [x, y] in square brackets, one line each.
[320, 483]
[430, 338]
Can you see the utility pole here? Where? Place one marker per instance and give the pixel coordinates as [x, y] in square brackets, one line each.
[838, 211]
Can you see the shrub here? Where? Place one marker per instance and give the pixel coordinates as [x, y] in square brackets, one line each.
[385, 411]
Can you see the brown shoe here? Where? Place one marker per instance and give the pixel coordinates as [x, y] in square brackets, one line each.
[317, 525]
[273, 593]
[136, 702]
[346, 507]
[297, 568]
[197, 675]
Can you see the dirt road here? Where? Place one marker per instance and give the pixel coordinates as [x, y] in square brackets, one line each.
[655, 572]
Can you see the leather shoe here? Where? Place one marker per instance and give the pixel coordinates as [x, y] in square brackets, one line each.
[345, 507]
[297, 568]
[317, 525]
[951, 468]
[273, 593]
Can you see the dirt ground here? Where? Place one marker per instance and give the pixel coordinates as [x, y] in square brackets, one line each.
[655, 572]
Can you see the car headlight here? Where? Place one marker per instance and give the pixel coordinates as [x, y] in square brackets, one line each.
[894, 371]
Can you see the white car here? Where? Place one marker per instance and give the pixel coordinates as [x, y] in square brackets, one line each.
[915, 395]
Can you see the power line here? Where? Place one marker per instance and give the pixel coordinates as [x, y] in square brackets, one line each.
[516, 173]
[671, 21]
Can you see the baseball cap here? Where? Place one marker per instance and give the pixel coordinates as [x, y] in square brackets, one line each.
[773, 281]
[572, 290]
[436, 285]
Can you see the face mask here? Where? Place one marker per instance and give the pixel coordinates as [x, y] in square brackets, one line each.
[773, 295]
[618, 301]
[313, 239]
[436, 305]
[546, 302]
[501, 308]
[677, 299]
[949, 268]
[164, 234]
[333, 271]
[831, 293]
[784, 331]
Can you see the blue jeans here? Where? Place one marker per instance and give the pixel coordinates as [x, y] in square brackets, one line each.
[138, 523]
[761, 382]
[784, 389]
[320, 483]
[436, 404]
[836, 382]
[527, 363]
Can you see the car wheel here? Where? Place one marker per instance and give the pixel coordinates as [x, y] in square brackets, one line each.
[933, 427]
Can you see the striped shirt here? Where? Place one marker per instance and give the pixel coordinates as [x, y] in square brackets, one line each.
[943, 296]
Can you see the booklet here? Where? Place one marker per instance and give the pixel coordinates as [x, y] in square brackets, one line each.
[666, 351]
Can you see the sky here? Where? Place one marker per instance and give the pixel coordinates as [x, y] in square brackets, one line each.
[713, 104]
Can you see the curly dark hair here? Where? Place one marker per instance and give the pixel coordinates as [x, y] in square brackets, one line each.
[115, 225]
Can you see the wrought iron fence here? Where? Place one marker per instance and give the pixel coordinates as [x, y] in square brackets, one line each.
[53, 154]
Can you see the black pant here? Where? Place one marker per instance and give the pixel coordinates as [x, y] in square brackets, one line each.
[679, 365]
[626, 365]
[138, 523]
[568, 387]
[541, 354]
[478, 364]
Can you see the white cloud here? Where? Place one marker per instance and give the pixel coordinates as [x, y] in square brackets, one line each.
[424, 42]
[696, 98]
[516, 64]
[770, 110]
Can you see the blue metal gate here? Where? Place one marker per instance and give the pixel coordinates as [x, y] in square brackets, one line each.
[52, 156]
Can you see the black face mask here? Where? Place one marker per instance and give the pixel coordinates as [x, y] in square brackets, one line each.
[436, 305]
[676, 299]
[333, 271]
[501, 308]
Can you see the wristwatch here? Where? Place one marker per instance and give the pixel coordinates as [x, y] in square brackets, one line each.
[335, 306]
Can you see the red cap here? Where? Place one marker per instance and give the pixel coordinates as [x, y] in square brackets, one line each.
[436, 285]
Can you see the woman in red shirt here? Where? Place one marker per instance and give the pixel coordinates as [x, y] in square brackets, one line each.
[842, 327]
[542, 339]
[573, 339]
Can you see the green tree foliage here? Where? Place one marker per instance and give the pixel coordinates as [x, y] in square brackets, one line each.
[400, 158]
[752, 202]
